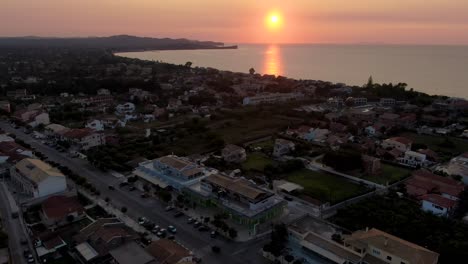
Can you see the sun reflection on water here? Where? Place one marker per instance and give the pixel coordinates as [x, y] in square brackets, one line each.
[272, 61]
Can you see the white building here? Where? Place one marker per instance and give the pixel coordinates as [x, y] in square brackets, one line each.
[459, 166]
[84, 138]
[171, 170]
[103, 92]
[413, 159]
[126, 108]
[36, 178]
[96, 125]
[269, 98]
[234, 154]
[282, 147]
[437, 204]
[387, 101]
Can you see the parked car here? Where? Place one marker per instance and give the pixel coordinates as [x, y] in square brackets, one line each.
[23, 241]
[123, 184]
[203, 228]
[171, 237]
[190, 220]
[110, 187]
[142, 220]
[132, 188]
[169, 208]
[144, 195]
[196, 224]
[172, 229]
[213, 234]
[178, 214]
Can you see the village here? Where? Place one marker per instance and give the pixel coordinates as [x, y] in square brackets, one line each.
[107, 155]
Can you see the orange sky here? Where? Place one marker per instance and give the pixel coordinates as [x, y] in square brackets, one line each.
[243, 21]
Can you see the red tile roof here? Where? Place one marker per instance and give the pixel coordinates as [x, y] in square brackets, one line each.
[424, 182]
[439, 200]
[402, 140]
[167, 251]
[59, 207]
[78, 133]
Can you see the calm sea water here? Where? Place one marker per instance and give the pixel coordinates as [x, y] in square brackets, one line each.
[431, 69]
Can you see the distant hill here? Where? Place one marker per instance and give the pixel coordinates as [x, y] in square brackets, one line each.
[113, 43]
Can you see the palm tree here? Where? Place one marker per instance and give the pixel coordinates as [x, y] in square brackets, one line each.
[252, 71]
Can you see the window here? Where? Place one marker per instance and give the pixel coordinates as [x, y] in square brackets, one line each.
[389, 258]
[376, 252]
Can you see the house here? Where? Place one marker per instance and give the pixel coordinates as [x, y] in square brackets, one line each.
[36, 178]
[316, 134]
[369, 246]
[246, 203]
[269, 98]
[50, 245]
[459, 166]
[169, 252]
[372, 165]
[126, 108]
[356, 101]
[362, 114]
[95, 241]
[233, 154]
[413, 159]
[12, 152]
[171, 170]
[408, 121]
[335, 102]
[84, 138]
[401, 143]
[338, 127]
[431, 155]
[103, 91]
[387, 101]
[55, 130]
[18, 93]
[423, 182]
[61, 210]
[131, 253]
[390, 119]
[437, 204]
[5, 137]
[5, 106]
[32, 117]
[282, 147]
[96, 125]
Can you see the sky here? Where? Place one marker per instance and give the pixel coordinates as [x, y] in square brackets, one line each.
[244, 21]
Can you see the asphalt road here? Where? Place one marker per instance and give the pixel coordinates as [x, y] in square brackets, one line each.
[199, 242]
[12, 227]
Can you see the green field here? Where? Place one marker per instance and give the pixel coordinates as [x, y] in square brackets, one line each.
[256, 161]
[326, 187]
[390, 174]
[434, 143]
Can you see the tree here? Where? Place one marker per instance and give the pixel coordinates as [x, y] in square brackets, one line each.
[124, 209]
[70, 218]
[252, 71]
[107, 199]
[232, 233]
[289, 258]
[188, 64]
[215, 249]
[370, 82]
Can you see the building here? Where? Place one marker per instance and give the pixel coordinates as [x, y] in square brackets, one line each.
[169, 252]
[401, 143]
[270, 98]
[423, 182]
[12, 152]
[103, 91]
[5, 106]
[61, 210]
[32, 117]
[387, 101]
[459, 166]
[95, 241]
[372, 166]
[233, 154]
[36, 178]
[335, 102]
[96, 125]
[170, 170]
[246, 203]
[362, 114]
[437, 204]
[84, 138]
[55, 130]
[390, 119]
[131, 253]
[413, 159]
[313, 239]
[282, 147]
[127, 108]
[18, 93]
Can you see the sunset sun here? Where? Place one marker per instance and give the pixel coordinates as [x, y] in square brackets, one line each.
[273, 21]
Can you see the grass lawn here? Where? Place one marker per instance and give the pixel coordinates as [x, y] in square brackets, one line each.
[326, 187]
[432, 142]
[389, 174]
[267, 144]
[256, 161]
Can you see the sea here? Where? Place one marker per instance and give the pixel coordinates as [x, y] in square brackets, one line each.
[440, 70]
